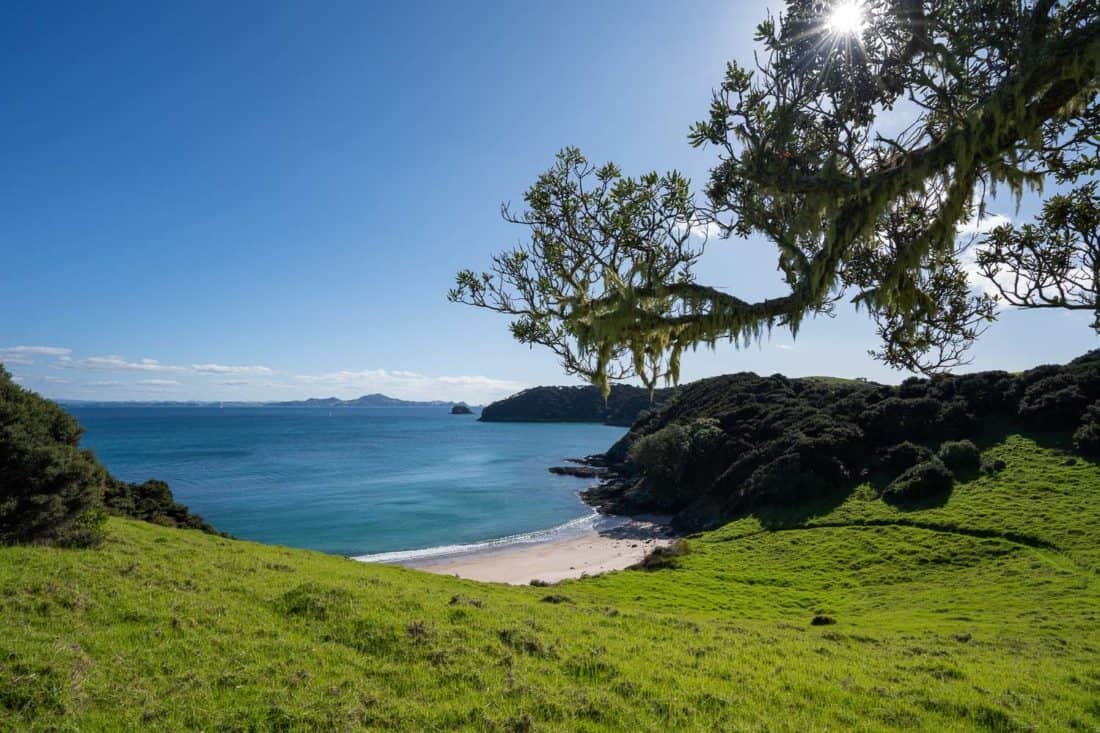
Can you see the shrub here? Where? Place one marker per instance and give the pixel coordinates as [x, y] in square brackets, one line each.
[662, 557]
[660, 455]
[896, 419]
[151, 501]
[960, 455]
[1053, 403]
[929, 478]
[993, 465]
[1086, 439]
[85, 532]
[785, 479]
[47, 483]
[897, 458]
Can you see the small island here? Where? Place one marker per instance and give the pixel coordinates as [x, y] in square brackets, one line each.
[461, 409]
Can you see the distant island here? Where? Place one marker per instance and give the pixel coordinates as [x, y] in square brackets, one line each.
[370, 400]
[575, 404]
[461, 409]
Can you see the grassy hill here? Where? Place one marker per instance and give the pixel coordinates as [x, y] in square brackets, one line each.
[980, 611]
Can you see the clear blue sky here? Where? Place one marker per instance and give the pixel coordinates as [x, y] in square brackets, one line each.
[263, 200]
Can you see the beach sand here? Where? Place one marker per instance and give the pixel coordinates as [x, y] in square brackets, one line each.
[595, 550]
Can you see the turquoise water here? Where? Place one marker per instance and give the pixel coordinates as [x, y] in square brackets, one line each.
[351, 481]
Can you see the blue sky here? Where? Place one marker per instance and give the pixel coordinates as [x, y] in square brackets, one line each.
[256, 201]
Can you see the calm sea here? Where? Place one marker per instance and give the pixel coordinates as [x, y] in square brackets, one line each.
[352, 481]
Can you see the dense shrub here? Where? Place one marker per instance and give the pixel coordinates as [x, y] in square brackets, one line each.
[896, 419]
[929, 478]
[744, 440]
[660, 456]
[960, 455]
[1053, 403]
[1086, 439]
[151, 501]
[784, 480]
[897, 458]
[47, 483]
[574, 404]
[52, 491]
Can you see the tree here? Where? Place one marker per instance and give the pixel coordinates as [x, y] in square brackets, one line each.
[1052, 264]
[996, 93]
[49, 487]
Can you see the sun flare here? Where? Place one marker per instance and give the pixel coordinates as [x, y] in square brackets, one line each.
[846, 18]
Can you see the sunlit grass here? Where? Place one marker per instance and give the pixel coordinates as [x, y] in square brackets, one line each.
[979, 613]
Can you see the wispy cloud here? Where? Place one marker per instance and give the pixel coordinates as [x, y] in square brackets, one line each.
[223, 369]
[26, 354]
[118, 364]
[158, 383]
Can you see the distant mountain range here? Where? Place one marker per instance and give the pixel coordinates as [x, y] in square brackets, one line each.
[370, 400]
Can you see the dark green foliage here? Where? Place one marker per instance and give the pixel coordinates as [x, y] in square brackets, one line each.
[151, 501]
[897, 458]
[53, 491]
[47, 483]
[930, 478]
[1086, 439]
[663, 557]
[86, 531]
[960, 455]
[994, 465]
[574, 404]
[1054, 403]
[725, 445]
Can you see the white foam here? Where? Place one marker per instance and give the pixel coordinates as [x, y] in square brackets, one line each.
[573, 527]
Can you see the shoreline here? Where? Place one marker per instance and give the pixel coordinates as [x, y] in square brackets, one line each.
[590, 545]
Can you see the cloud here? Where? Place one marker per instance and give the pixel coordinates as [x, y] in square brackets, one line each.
[105, 383]
[706, 230]
[235, 383]
[25, 354]
[158, 382]
[116, 363]
[413, 386]
[119, 364]
[983, 225]
[57, 380]
[222, 369]
[785, 347]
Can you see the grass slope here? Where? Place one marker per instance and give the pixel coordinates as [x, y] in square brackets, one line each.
[979, 613]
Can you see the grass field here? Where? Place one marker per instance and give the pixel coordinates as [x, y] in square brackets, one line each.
[978, 612]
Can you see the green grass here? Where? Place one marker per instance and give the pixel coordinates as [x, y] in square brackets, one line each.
[981, 612]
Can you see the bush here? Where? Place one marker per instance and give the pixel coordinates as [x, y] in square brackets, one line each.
[960, 455]
[663, 557]
[1053, 403]
[1086, 439]
[660, 456]
[896, 419]
[786, 479]
[47, 483]
[897, 458]
[929, 478]
[151, 501]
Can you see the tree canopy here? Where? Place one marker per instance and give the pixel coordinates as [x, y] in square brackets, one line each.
[860, 149]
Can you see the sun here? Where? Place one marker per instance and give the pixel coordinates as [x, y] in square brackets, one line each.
[846, 18]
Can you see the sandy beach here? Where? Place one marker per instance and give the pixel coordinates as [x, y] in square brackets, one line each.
[611, 543]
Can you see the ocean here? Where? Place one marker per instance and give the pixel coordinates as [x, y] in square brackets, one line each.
[393, 482]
